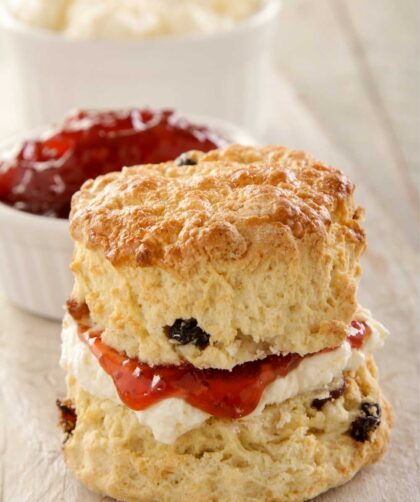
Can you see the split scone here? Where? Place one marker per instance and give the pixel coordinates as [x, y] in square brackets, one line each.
[214, 346]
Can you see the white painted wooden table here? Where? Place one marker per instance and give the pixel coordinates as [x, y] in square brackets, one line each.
[32, 468]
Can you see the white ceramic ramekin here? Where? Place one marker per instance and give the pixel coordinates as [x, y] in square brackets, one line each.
[219, 74]
[35, 251]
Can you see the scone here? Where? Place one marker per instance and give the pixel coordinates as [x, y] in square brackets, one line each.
[214, 345]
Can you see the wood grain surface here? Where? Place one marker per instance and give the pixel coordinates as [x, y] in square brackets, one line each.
[342, 87]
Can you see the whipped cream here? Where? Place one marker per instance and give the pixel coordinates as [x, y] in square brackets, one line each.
[172, 417]
[132, 19]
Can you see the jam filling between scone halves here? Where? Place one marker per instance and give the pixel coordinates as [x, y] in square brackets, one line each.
[221, 393]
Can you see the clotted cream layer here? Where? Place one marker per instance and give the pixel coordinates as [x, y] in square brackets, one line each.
[172, 417]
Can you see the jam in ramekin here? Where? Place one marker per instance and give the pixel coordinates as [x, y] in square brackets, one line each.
[44, 174]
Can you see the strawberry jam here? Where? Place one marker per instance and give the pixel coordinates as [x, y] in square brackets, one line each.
[221, 393]
[360, 330]
[44, 174]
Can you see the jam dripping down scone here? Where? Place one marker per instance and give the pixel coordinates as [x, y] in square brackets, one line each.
[213, 341]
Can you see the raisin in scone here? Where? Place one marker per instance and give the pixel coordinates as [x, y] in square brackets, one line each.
[213, 341]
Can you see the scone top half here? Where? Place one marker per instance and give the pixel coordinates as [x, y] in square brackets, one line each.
[219, 258]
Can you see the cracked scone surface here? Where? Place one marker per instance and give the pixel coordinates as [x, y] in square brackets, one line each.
[290, 453]
[245, 240]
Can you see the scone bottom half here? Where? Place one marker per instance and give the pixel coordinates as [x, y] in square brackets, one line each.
[214, 327]
[291, 452]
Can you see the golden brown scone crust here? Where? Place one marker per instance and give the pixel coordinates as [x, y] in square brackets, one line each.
[234, 202]
[290, 453]
[260, 245]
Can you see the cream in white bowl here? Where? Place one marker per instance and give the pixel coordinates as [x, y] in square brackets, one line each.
[218, 73]
[132, 19]
[35, 251]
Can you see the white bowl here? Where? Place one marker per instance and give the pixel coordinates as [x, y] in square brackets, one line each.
[219, 74]
[35, 251]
